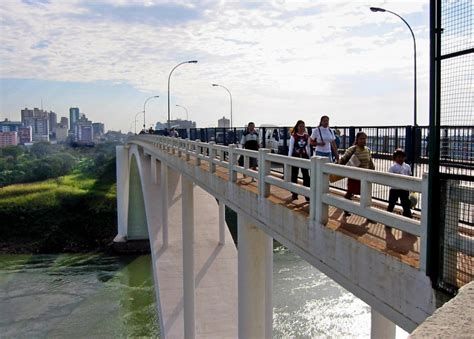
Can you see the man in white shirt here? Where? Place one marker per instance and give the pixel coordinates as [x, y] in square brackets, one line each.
[399, 167]
[324, 140]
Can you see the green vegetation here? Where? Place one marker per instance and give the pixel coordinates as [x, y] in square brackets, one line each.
[71, 212]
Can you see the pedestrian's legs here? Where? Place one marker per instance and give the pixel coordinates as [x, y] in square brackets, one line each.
[406, 203]
[306, 179]
[392, 199]
[294, 179]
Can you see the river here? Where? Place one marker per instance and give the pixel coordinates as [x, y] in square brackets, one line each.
[96, 295]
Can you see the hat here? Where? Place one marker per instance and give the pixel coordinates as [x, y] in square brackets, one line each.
[399, 151]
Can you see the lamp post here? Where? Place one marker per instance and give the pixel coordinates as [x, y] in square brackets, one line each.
[144, 104]
[187, 116]
[169, 78]
[377, 9]
[136, 115]
[230, 95]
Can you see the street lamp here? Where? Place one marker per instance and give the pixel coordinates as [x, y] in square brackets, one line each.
[136, 115]
[377, 9]
[187, 116]
[169, 78]
[230, 95]
[144, 104]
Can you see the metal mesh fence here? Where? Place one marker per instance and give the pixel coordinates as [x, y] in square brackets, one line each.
[456, 144]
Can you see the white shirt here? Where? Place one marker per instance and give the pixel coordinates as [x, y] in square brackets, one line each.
[396, 168]
[328, 137]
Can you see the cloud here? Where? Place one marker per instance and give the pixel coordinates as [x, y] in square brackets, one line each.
[274, 55]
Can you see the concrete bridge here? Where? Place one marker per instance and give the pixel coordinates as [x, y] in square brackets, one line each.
[173, 192]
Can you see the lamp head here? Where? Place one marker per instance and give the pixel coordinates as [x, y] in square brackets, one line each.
[192, 62]
[215, 85]
[377, 9]
[156, 96]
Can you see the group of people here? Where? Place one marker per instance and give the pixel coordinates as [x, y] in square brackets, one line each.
[325, 143]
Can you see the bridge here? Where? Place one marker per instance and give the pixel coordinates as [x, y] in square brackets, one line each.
[173, 192]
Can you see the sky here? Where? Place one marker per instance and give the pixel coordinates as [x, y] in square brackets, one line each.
[281, 60]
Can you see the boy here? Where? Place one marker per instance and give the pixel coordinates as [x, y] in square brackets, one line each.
[399, 167]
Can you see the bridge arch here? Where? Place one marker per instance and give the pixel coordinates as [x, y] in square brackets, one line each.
[137, 224]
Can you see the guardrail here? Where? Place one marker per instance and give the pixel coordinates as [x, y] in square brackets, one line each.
[319, 193]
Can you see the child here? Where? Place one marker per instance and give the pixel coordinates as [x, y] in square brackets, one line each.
[399, 167]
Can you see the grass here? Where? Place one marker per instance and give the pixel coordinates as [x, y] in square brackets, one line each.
[69, 213]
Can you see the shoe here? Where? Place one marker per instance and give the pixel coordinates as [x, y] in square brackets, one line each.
[347, 214]
[307, 199]
[371, 221]
[294, 196]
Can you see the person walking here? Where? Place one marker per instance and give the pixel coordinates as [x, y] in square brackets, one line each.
[399, 167]
[250, 141]
[325, 140]
[299, 148]
[363, 159]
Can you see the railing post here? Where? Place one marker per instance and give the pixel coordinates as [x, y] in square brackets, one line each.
[424, 222]
[180, 143]
[187, 148]
[321, 181]
[287, 172]
[173, 145]
[264, 167]
[232, 161]
[212, 156]
[365, 194]
[197, 152]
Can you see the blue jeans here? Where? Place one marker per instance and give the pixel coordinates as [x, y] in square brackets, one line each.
[324, 154]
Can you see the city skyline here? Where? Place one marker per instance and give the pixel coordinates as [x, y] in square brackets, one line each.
[282, 61]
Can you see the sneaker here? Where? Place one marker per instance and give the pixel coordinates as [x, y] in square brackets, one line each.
[371, 221]
[347, 214]
[294, 196]
[307, 199]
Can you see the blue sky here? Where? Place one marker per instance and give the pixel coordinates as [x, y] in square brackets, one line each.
[282, 60]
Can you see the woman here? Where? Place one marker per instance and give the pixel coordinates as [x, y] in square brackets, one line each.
[362, 152]
[299, 148]
[250, 141]
[324, 140]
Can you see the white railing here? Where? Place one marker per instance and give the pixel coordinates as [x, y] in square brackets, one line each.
[321, 197]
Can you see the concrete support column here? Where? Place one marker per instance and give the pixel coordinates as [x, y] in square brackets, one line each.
[154, 171]
[188, 256]
[123, 186]
[222, 224]
[381, 327]
[164, 203]
[255, 269]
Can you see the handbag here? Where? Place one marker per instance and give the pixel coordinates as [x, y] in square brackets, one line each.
[353, 161]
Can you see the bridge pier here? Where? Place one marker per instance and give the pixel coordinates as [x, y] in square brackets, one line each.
[381, 327]
[123, 184]
[255, 274]
[164, 203]
[188, 257]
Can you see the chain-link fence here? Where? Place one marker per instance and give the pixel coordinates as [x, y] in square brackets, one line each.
[452, 169]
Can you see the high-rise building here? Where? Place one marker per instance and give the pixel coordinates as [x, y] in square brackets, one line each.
[9, 126]
[98, 130]
[83, 130]
[25, 135]
[61, 133]
[8, 139]
[64, 121]
[225, 123]
[53, 121]
[39, 122]
[73, 117]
